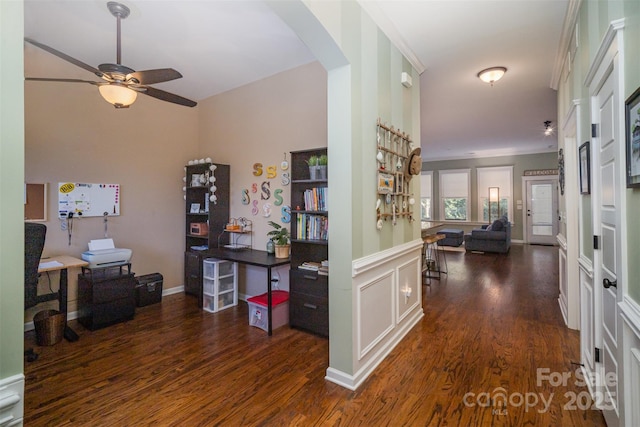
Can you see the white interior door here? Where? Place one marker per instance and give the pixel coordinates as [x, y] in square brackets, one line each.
[541, 214]
[607, 218]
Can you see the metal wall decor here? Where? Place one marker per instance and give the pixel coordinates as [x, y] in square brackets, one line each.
[396, 159]
[561, 170]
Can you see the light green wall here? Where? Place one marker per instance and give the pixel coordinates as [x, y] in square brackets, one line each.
[374, 90]
[594, 19]
[519, 163]
[11, 189]
[363, 82]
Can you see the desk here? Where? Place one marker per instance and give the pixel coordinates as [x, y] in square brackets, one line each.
[64, 263]
[251, 257]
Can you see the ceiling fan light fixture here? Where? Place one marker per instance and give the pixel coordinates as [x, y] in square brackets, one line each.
[491, 75]
[118, 95]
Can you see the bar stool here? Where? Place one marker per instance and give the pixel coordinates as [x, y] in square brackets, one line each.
[431, 257]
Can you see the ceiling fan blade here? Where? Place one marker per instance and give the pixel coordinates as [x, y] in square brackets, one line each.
[149, 77]
[64, 56]
[46, 79]
[170, 97]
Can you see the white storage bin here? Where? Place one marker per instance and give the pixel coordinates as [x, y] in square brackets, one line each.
[226, 284]
[225, 300]
[209, 303]
[215, 268]
[209, 286]
[219, 284]
[259, 315]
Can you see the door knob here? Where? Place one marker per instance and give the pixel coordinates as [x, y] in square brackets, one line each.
[607, 283]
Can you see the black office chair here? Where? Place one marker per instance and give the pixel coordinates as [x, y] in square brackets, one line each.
[34, 235]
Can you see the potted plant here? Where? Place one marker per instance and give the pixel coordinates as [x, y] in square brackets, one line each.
[280, 236]
[313, 166]
[322, 166]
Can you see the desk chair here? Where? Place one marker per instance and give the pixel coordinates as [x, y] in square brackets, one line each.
[34, 235]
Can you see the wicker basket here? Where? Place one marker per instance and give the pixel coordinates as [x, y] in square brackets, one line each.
[49, 326]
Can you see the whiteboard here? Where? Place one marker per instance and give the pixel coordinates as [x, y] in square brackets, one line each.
[88, 199]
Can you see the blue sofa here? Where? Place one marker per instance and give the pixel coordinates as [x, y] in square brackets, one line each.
[490, 238]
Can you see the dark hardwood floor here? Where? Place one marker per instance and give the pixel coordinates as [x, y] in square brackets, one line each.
[489, 326]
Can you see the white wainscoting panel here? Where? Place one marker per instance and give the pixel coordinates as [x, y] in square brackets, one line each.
[408, 297]
[562, 279]
[587, 333]
[12, 400]
[630, 313]
[375, 314]
[387, 303]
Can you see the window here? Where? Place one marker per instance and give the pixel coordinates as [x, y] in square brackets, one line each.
[426, 207]
[502, 178]
[454, 194]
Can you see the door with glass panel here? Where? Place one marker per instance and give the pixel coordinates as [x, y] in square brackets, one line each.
[541, 214]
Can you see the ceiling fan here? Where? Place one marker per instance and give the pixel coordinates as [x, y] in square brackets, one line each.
[121, 84]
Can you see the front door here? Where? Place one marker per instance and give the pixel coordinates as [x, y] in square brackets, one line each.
[607, 218]
[542, 208]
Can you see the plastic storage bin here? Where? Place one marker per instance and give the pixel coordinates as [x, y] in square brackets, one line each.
[219, 284]
[259, 316]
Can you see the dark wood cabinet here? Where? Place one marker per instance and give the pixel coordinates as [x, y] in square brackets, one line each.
[106, 296]
[201, 211]
[308, 289]
[193, 274]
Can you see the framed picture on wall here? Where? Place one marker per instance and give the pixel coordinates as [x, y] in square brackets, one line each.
[585, 168]
[385, 183]
[632, 131]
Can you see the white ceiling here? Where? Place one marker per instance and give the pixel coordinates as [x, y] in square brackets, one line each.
[218, 45]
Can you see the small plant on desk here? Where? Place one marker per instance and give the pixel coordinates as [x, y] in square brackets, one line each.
[280, 236]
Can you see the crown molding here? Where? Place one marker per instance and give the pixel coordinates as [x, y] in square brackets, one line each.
[390, 30]
[568, 31]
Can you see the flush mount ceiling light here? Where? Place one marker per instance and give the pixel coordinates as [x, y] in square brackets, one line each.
[492, 74]
[548, 129]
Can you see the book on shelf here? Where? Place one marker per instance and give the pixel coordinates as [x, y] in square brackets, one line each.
[310, 265]
[324, 268]
[315, 199]
[312, 227]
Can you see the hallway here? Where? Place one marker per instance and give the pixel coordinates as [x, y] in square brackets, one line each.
[495, 322]
[489, 326]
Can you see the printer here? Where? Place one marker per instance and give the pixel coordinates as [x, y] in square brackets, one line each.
[103, 253]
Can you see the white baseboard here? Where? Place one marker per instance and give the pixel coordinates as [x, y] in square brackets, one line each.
[12, 400]
[171, 291]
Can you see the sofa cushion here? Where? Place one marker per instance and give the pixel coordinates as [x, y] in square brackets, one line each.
[488, 235]
[496, 225]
